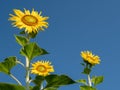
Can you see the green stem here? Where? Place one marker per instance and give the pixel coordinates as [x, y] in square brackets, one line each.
[15, 79]
[21, 63]
[27, 68]
[41, 88]
[27, 73]
[89, 81]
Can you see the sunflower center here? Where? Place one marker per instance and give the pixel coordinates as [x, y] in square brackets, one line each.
[41, 68]
[29, 20]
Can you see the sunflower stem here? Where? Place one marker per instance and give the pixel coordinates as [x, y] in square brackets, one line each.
[12, 76]
[21, 63]
[89, 81]
[41, 88]
[27, 73]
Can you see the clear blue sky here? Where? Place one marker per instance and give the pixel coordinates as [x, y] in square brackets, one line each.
[74, 26]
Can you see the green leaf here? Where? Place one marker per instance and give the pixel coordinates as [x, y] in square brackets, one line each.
[57, 81]
[97, 80]
[32, 50]
[32, 35]
[83, 81]
[86, 71]
[49, 88]
[21, 40]
[8, 64]
[82, 64]
[87, 88]
[38, 80]
[36, 88]
[5, 86]
[22, 32]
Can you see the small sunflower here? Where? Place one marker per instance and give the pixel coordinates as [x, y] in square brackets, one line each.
[42, 68]
[90, 58]
[31, 22]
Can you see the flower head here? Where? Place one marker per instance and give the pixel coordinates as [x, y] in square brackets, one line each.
[90, 58]
[42, 68]
[31, 22]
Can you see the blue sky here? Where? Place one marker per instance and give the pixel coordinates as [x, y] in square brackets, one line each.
[74, 26]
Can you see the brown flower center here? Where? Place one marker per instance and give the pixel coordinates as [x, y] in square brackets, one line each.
[29, 20]
[41, 68]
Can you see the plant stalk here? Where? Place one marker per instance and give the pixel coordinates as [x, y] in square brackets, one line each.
[41, 88]
[89, 81]
[15, 79]
[21, 63]
[27, 73]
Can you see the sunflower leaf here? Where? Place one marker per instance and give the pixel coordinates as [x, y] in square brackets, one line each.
[97, 80]
[32, 50]
[87, 88]
[86, 71]
[38, 80]
[32, 35]
[8, 64]
[36, 88]
[21, 40]
[57, 81]
[6, 86]
[82, 64]
[22, 32]
[83, 81]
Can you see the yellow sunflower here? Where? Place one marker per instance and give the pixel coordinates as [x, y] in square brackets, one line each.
[42, 68]
[90, 58]
[31, 22]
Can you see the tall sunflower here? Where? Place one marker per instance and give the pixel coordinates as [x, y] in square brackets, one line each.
[42, 68]
[90, 58]
[31, 22]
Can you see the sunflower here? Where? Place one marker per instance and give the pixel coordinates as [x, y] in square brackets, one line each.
[90, 58]
[31, 22]
[42, 68]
